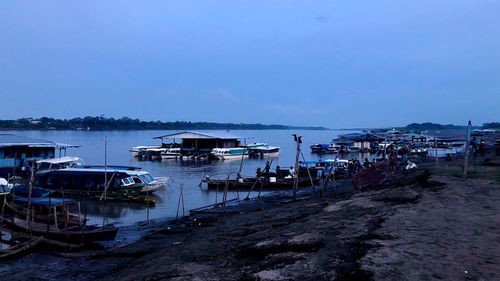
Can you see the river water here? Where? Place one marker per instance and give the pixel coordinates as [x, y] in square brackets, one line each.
[185, 174]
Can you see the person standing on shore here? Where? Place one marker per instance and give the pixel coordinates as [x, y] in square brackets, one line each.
[473, 145]
[482, 147]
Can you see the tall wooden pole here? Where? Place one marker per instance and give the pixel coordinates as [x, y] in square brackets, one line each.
[298, 141]
[466, 157]
[105, 166]
[436, 150]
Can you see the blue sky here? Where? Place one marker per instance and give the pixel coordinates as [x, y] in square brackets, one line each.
[329, 63]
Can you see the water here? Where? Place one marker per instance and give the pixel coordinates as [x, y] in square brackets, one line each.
[187, 174]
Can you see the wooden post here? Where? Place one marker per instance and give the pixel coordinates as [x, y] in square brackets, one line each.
[466, 156]
[298, 141]
[436, 150]
[181, 201]
[105, 166]
[238, 175]
[385, 145]
[28, 217]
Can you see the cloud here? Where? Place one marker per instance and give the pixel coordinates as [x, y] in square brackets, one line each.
[224, 94]
[321, 19]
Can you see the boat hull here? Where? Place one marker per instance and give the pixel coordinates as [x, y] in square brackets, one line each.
[72, 234]
[257, 184]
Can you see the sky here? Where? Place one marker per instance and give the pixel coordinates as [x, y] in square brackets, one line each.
[338, 64]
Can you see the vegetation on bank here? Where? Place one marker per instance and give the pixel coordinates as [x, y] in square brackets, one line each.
[126, 123]
[492, 125]
[432, 127]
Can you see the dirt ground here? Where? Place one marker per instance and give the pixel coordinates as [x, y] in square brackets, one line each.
[445, 228]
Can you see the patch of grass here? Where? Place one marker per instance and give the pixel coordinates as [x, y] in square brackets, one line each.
[475, 170]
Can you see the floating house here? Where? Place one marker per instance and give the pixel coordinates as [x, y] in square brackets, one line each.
[201, 143]
[17, 151]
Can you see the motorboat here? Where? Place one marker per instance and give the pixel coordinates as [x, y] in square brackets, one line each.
[59, 163]
[89, 182]
[229, 153]
[263, 150]
[171, 153]
[136, 150]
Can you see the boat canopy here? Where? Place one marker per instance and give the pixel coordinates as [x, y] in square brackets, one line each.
[60, 160]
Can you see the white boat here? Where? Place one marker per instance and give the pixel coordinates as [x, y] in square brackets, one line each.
[171, 153]
[141, 148]
[229, 153]
[151, 183]
[59, 163]
[264, 150]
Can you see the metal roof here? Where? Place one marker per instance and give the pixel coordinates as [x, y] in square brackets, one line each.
[199, 135]
[64, 159]
[13, 140]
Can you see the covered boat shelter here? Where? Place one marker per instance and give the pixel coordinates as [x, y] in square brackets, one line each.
[16, 152]
[202, 142]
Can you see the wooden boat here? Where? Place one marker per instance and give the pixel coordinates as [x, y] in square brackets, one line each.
[265, 182]
[70, 229]
[19, 206]
[12, 246]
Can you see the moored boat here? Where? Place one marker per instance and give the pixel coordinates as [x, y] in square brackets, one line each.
[53, 228]
[59, 163]
[138, 175]
[88, 182]
[229, 153]
[136, 150]
[171, 153]
[257, 183]
[264, 150]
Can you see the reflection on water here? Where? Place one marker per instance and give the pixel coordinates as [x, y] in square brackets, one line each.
[185, 173]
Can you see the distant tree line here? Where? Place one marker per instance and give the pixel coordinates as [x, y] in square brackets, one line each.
[126, 123]
[432, 127]
[492, 125]
[439, 127]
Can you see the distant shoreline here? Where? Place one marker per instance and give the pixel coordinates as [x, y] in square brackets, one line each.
[128, 124]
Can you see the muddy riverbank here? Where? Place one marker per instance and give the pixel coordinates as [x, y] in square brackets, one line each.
[447, 229]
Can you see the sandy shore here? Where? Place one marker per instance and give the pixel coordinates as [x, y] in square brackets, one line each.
[446, 228]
